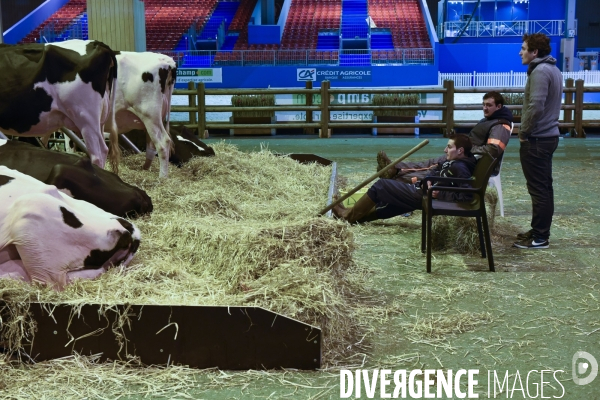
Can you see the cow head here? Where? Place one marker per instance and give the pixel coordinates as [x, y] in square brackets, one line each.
[187, 145]
[102, 188]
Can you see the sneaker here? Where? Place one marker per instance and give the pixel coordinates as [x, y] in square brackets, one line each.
[532, 244]
[525, 235]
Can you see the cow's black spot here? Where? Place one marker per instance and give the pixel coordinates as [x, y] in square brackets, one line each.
[25, 65]
[22, 110]
[126, 224]
[173, 76]
[98, 258]
[163, 73]
[5, 179]
[70, 219]
[134, 245]
[147, 77]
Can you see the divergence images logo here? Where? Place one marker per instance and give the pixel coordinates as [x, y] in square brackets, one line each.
[580, 368]
[304, 74]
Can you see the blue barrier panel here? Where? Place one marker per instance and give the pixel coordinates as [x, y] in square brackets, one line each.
[264, 34]
[263, 77]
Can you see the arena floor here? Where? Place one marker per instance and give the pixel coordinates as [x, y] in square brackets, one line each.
[534, 313]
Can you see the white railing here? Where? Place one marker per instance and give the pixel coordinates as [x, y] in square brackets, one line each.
[589, 77]
[503, 28]
[508, 79]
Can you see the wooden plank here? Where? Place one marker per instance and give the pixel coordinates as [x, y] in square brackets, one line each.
[236, 338]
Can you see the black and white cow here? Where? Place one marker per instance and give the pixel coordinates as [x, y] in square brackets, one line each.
[143, 100]
[76, 175]
[51, 238]
[185, 144]
[66, 84]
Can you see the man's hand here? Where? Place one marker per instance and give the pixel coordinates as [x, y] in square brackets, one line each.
[435, 193]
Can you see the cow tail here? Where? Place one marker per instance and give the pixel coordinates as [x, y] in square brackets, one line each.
[114, 151]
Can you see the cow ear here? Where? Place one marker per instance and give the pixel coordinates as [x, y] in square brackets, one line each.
[186, 132]
[86, 163]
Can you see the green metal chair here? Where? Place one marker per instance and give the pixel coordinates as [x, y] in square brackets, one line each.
[476, 208]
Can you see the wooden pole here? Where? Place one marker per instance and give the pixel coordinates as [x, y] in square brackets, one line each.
[579, 108]
[324, 109]
[192, 103]
[373, 177]
[309, 114]
[202, 132]
[568, 114]
[449, 100]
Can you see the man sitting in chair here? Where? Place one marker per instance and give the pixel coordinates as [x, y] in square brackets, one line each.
[388, 198]
[490, 135]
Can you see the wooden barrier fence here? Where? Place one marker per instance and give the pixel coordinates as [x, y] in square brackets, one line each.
[572, 121]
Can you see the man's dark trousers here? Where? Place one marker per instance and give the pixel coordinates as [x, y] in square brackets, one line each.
[536, 161]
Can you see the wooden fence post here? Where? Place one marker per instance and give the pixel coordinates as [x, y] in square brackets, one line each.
[325, 132]
[568, 114]
[449, 102]
[579, 108]
[202, 132]
[309, 114]
[192, 102]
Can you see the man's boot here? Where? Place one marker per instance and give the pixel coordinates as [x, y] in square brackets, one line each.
[383, 161]
[361, 209]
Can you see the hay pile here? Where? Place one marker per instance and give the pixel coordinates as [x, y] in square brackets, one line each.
[460, 233]
[235, 229]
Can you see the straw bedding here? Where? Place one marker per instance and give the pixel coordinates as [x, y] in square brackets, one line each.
[235, 229]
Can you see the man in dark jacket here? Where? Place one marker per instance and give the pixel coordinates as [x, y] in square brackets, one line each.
[490, 135]
[538, 135]
[388, 198]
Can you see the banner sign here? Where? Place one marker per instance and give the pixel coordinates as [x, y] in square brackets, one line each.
[333, 74]
[207, 75]
[349, 98]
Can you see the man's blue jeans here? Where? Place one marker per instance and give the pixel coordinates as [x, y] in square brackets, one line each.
[536, 161]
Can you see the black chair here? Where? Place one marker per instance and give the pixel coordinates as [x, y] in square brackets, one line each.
[476, 208]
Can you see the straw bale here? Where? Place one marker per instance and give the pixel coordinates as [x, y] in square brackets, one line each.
[460, 233]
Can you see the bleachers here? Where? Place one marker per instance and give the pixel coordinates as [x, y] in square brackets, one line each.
[382, 40]
[311, 25]
[328, 42]
[225, 11]
[306, 18]
[167, 22]
[354, 15]
[58, 21]
[405, 21]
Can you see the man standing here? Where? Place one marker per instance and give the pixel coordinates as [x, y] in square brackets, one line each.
[538, 135]
[490, 135]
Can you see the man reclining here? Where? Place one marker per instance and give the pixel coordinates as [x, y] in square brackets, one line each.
[388, 198]
[490, 135]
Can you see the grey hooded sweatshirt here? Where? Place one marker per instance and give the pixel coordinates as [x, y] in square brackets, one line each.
[543, 97]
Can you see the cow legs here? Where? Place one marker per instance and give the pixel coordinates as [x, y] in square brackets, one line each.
[84, 274]
[162, 142]
[94, 141]
[11, 266]
[150, 152]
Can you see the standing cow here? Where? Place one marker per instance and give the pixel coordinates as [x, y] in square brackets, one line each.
[143, 100]
[67, 84]
[51, 238]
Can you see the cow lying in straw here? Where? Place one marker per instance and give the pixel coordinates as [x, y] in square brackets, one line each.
[51, 238]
